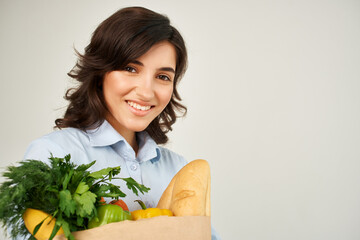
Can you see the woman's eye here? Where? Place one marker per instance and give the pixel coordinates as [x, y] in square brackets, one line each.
[164, 77]
[130, 69]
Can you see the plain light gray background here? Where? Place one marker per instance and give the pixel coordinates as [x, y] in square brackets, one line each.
[272, 91]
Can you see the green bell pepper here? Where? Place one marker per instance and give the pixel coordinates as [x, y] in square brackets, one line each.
[107, 214]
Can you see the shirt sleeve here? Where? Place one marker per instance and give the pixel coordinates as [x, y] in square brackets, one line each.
[42, 149]
[214, 234]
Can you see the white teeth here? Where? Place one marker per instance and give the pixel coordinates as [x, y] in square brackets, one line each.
[139, 107]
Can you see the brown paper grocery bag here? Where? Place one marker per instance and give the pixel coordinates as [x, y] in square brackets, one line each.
[159, 228]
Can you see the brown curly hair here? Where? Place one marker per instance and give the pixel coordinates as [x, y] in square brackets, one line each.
[120, 39]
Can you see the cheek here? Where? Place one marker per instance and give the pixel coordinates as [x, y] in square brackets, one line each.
[165, 96]
[109, 96]
[113, 91]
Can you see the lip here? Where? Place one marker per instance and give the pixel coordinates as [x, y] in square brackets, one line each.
[137, 112]
[140, 102]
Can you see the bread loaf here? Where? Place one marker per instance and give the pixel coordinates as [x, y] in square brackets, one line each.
[188, 193]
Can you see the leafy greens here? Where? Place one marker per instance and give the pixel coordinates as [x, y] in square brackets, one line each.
[68, 192]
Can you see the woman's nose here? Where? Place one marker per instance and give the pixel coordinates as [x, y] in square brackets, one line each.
[145, 89]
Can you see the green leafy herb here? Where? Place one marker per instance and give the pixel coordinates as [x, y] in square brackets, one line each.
[68, 192]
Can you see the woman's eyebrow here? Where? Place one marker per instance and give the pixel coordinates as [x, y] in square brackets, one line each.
[167, 69]
[137, 62]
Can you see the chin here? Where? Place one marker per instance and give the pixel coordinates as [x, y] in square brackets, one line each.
[138, 128]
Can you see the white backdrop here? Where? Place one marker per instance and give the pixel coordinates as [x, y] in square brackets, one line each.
[273, 100]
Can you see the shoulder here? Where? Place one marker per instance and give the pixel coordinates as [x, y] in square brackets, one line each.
[171, 157]
[167, 153]
[57, 143]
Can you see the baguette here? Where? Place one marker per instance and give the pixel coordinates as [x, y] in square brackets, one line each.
[188, 193]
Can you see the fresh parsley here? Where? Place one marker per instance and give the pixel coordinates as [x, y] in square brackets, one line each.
[68, 192]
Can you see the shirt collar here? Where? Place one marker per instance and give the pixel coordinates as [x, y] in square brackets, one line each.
[106, 135]
[148, 149]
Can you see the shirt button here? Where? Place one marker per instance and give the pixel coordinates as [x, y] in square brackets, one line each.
[133, 167]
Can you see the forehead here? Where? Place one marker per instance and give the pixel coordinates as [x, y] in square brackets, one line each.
[162, 53]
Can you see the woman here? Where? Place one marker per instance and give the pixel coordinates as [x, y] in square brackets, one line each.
[125, 103]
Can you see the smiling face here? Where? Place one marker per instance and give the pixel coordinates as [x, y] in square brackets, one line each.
[137, 94]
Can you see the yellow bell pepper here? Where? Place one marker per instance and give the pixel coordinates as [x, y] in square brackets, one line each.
[149, 212]
[32, 217]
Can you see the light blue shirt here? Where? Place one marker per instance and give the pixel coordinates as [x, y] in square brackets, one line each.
[153, 166]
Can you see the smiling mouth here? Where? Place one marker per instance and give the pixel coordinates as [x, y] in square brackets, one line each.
[138, 106]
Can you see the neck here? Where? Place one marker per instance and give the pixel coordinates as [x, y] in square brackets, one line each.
[129, 135]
